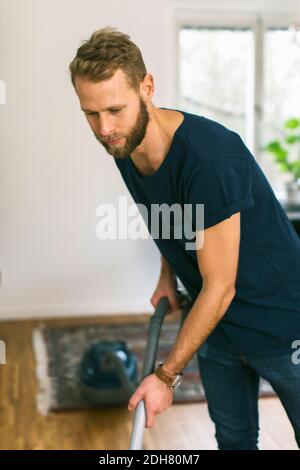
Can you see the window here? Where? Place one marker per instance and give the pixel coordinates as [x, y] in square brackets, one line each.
[214, 74]
[244, 75]
[281, 81]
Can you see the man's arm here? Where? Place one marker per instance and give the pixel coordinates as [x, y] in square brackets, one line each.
[166, 287]
[165, 267]
[217, 261]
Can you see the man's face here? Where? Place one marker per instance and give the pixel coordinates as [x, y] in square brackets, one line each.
[116, 113]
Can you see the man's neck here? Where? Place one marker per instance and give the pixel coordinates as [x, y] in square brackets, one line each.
[149, 155]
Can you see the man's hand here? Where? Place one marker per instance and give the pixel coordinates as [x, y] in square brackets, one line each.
[156, 394]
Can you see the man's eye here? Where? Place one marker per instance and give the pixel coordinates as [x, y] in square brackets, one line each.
[115, 110]
[90, 114]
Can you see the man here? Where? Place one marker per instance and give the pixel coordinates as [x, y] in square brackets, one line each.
[243, 280]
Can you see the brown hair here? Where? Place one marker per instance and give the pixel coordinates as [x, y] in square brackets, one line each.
[106, 51]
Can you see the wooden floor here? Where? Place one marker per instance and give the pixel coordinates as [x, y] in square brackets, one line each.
[179, 427]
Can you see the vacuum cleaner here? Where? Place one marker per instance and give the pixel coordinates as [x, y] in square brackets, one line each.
[108, 369]
[108, 373]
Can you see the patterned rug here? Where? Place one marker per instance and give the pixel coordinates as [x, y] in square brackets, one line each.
[58, 352]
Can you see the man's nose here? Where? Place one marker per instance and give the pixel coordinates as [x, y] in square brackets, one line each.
[105, 127]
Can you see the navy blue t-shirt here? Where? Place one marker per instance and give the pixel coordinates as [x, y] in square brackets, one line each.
[209, 164]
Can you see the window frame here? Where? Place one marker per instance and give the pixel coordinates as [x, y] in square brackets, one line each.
[258, 22]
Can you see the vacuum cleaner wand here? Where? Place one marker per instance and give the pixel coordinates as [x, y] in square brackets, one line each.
[153, 335]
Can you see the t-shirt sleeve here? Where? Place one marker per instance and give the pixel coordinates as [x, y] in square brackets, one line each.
[223, 186]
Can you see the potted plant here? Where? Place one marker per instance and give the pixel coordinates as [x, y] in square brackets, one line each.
[286, 153]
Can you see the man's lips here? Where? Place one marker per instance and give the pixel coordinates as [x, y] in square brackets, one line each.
[113, 142]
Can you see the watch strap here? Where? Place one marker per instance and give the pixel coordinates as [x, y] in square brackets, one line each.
[168, 379]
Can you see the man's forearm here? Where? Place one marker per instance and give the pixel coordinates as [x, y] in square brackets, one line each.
[165, 267]
[207, 311]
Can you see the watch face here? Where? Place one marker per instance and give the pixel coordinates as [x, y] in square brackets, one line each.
[177, 381]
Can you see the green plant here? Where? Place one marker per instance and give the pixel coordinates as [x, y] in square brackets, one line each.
[281, 149]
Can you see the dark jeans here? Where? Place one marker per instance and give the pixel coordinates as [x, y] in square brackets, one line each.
[231, 384]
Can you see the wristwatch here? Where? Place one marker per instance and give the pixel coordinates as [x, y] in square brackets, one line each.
[171, 380]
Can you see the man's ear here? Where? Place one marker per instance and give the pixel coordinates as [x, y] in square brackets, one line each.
[147, 87]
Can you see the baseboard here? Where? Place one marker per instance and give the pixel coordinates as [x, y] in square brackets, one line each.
[31, 312]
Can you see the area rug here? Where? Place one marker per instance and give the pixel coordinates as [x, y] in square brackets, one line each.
[58, 352]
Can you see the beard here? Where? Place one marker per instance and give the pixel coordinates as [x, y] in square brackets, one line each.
[133, 139]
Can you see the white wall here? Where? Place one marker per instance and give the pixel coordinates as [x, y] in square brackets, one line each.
[53, 173]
